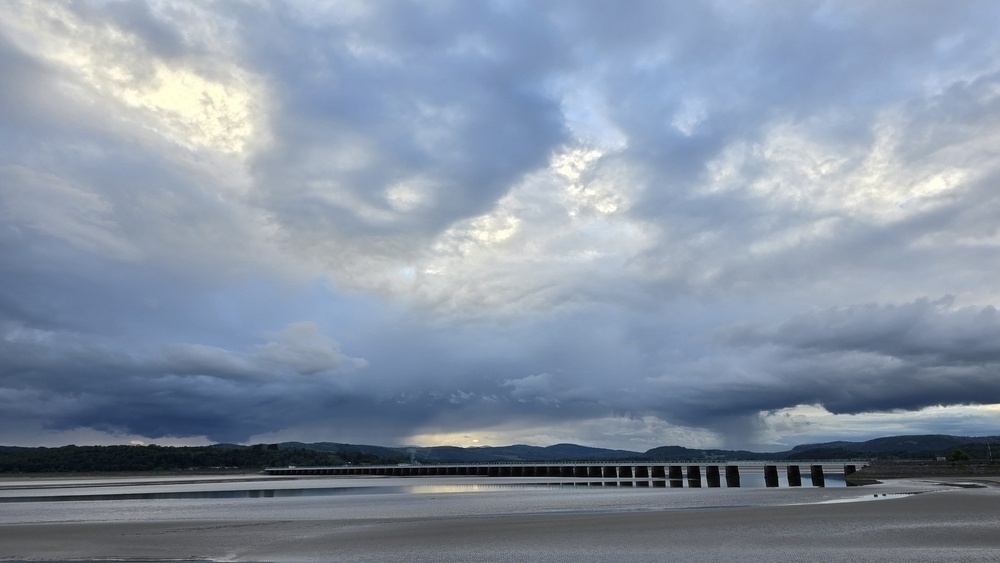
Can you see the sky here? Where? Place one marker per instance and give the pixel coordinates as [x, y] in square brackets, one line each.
[736, 224]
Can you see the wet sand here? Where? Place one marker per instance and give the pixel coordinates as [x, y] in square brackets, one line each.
[951, 523]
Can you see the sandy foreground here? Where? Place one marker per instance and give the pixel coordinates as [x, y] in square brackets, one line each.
[940, 523]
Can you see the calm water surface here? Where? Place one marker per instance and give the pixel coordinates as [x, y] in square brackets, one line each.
[109, 500]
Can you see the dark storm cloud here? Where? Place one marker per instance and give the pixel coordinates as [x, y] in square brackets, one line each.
[180, 390]
[864, 358]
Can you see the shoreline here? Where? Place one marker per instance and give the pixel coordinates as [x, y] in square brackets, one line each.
[947, 480]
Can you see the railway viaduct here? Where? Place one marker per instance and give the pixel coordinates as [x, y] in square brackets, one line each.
[673, 474]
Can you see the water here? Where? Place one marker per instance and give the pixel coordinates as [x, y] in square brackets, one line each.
[315, 487]
[472, 518]
[111, 500]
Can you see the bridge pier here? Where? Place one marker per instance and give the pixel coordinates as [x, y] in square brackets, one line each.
[732, 476]
[818, 479]
[712, 476]
[794, 476]
[694, 476]
[770, 475]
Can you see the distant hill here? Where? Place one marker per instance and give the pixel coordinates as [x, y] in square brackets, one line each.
[893, 447]
[70, 459]
[679, 453]
[896, 447]
[902, 447]
[333, 447]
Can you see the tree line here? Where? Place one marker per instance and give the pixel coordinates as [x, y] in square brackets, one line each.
[90, 459]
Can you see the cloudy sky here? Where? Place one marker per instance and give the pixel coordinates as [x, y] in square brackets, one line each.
[712, 224]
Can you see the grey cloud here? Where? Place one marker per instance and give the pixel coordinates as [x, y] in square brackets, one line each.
[921, 329]
[865, 358]
[391, 252]
[536, 388]
[805, 63]
[198, 359]
[158, 35]
[188, 389]
[304, 348]
[403, 122]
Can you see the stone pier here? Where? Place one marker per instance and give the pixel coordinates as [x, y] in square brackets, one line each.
[818, 479]
[770, 475]
[794, 476]
[712, 478]
[732, 475]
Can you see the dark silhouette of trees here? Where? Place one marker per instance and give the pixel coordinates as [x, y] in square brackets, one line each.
[89, 459]
[959, 455]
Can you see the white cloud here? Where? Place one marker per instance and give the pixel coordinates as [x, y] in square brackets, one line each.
[197, 103]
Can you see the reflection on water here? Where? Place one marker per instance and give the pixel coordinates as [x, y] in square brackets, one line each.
[246, 493]
[750, 480]
[876, 496]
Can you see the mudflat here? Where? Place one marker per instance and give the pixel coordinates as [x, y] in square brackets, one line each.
[947, 523]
